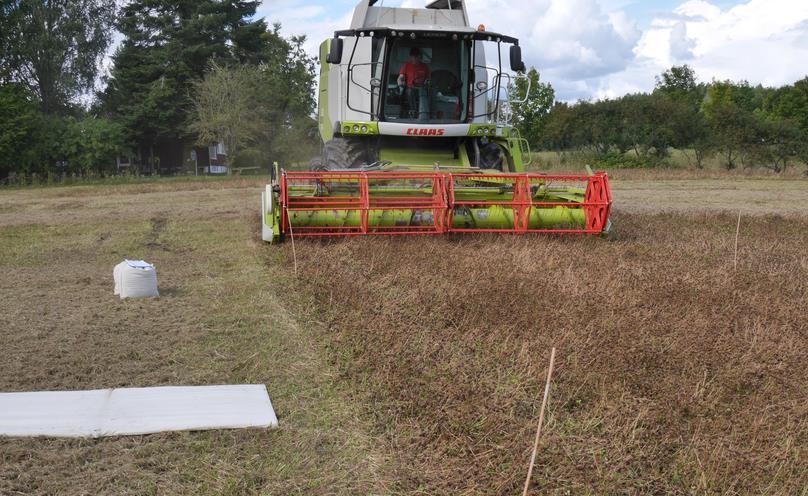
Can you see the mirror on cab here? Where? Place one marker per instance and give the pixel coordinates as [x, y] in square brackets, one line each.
[335, 52]
[517, 65]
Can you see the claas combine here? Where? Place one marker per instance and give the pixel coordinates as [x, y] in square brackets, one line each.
[415, 116]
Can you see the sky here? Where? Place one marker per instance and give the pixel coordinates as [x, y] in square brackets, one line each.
[592, 49]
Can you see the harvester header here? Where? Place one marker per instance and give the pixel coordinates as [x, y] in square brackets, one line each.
[417, 138]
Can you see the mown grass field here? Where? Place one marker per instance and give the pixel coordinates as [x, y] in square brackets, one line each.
[416, 366]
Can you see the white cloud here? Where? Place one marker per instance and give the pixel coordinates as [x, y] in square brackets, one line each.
[762, 41]
[698, 9]
[567, 39]
[681, 45]
[573, 43]
[594, 49]
[570, 41]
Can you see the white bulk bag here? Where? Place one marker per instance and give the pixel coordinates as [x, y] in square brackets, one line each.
[135, 279]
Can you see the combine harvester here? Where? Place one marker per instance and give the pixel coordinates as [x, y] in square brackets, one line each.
[417, 138]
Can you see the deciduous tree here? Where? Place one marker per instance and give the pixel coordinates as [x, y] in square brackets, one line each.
[54, 47]
[226, 107]
[531, 115]
[264, 107]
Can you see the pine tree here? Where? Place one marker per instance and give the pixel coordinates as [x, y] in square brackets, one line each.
[167, 46]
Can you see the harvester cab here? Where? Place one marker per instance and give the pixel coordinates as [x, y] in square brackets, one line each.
[411, 88]
[414, 111]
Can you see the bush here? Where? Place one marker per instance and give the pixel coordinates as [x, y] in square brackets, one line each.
[91, 145]
[35, 144]
[617, 160]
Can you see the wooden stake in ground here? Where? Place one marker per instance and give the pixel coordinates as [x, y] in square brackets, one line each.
[292, 237]
[541, 420]
[737, 232]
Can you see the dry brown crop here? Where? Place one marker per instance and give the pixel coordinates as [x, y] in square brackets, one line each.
[675, 374]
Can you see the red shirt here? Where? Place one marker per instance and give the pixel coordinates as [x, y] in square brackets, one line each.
[416, 73]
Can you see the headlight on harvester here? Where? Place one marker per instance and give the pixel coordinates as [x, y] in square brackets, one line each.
[364, 129]
[480, 131]
[356, 128]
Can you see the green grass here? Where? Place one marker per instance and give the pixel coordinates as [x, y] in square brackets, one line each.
[220, 319]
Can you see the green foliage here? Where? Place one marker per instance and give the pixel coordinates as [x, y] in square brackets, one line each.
[616, 160]
[91, 145]
[225, 107]
[168, 44]
[19, 119]
[35, 143]
[736, 127]
[6, 8]
[687, 123]
[777, 144]
[530, 117]
[259, 107]
[744, 125]
[50, 52]
[649, 122]
[678, 82]
[294, 143]
[680, 85]
[647, 125]
[789, 102]
[54, 48]
[291, 72]
[559, 128]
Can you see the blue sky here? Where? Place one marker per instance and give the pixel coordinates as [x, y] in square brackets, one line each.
[606, 48]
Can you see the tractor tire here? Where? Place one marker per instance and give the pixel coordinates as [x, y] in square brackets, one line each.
[491, 156]
[344, 153]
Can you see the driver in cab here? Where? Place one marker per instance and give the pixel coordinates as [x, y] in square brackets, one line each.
[411, 79]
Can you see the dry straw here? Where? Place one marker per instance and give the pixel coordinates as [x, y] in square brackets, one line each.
[541, 420]
[292, 237]
[443, 336]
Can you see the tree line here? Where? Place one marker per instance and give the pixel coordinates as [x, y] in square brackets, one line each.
[188, 74]
[739, 124]
[67, 107]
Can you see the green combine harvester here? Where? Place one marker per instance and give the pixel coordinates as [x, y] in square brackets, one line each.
[415, 123]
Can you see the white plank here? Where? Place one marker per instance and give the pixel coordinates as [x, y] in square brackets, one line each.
[126, 411]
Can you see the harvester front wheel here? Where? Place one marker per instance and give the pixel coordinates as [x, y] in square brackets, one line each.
[344, 153]
[491, 156]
